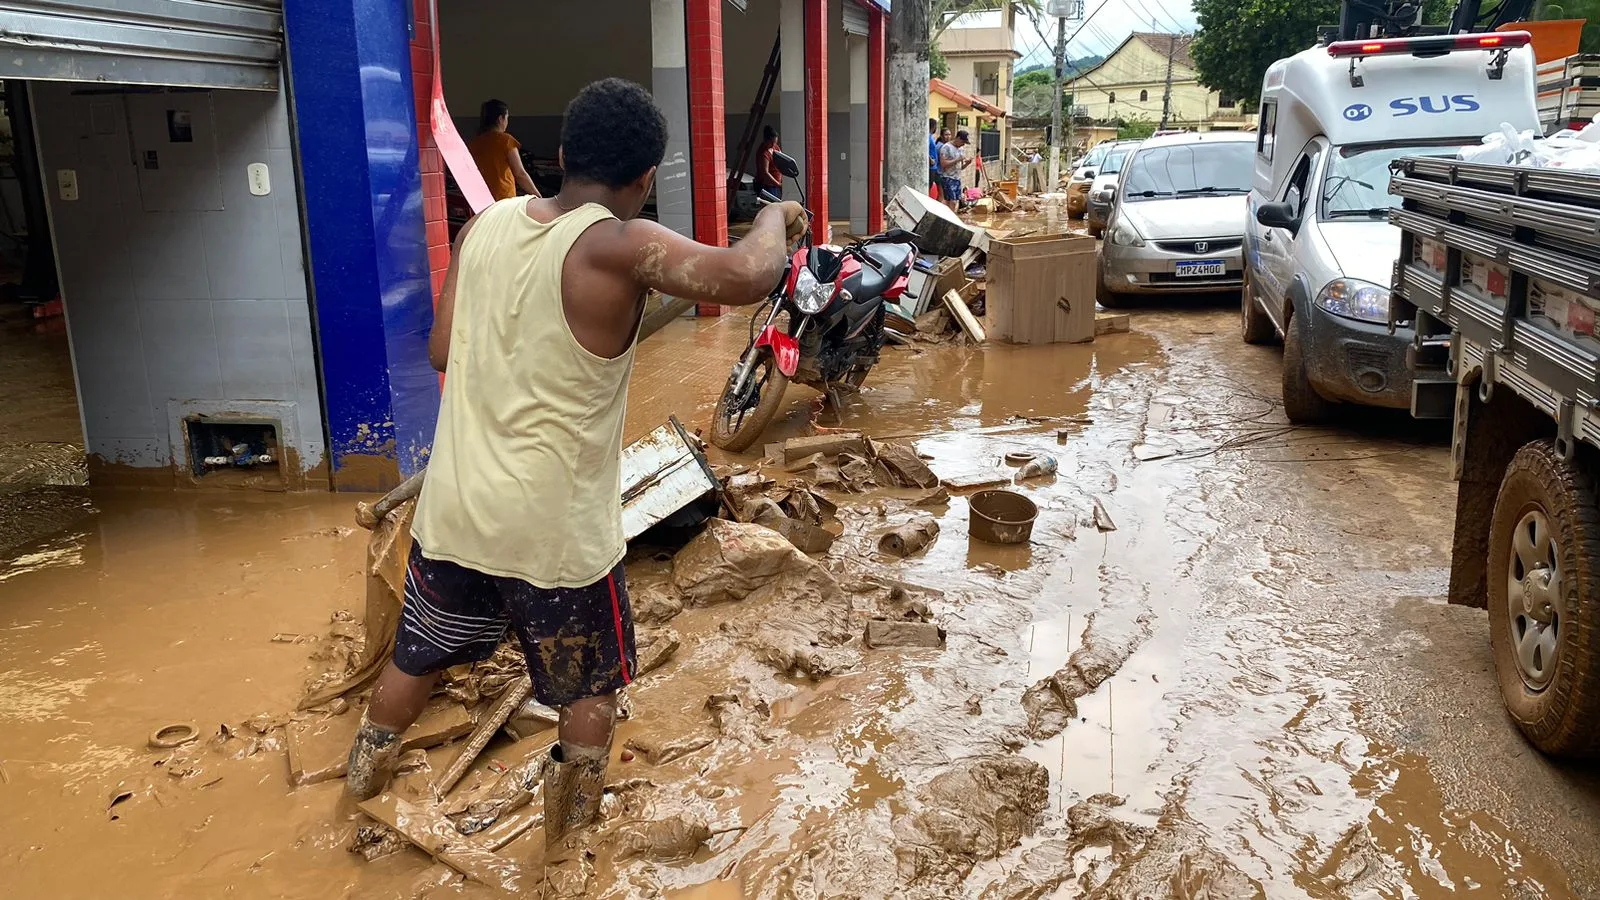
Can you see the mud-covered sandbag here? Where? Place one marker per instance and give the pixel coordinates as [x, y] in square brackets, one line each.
[979, 808]
[664, 840]
[729, 560]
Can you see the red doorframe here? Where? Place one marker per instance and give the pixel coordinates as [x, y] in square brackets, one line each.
[816, 29]
[877, 51]
[708, 145]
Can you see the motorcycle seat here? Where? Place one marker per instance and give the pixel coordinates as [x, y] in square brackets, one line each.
[894, 260]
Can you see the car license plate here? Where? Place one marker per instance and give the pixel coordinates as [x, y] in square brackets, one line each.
[1202, 267]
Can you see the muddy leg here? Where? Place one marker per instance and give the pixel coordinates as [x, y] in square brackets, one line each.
[396, 702]
[575, 774]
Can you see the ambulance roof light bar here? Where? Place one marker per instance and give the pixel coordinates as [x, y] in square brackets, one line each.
[1430, 46]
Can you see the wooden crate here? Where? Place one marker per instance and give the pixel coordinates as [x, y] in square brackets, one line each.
[1041, 289]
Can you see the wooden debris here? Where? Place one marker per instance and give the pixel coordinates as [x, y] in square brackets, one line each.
[885, 633]
[797, 449]
[964, 317]
[320, 751]
[1110, 323]
[482, 733]
[434, 835]
[1102, 519]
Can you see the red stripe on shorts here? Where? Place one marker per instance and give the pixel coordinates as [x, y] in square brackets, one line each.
[616, 616]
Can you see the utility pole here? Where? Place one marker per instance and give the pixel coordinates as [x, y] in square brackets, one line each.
[1062, 10]
[907, 97]
[1166, 95]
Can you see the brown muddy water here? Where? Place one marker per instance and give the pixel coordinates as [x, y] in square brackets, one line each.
[1250, 687]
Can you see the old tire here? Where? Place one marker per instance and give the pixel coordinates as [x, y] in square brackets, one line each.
[737, 434]
[1544, 597]
[1301, 402]
[1256, 325]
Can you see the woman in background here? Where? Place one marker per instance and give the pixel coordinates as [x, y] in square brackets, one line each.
[498, 154]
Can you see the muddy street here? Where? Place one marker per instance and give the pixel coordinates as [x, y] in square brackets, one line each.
[1222, 667]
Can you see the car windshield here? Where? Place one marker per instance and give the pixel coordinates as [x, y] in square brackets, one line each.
[1189, 170]
[1357, 183]
[1093, 157]
[1113, 163]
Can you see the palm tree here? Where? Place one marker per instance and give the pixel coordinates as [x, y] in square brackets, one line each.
[944, 12]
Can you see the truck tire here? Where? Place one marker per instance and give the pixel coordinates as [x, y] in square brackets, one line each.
[1257, 327]
[1301, 402]
[1544, 600]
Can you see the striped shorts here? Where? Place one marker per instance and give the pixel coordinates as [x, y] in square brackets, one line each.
[578, 641]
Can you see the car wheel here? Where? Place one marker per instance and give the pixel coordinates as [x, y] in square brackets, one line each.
[1096, 230]
[1257, 327]
[1544, 594]
[1103, 294]
[1301, 402]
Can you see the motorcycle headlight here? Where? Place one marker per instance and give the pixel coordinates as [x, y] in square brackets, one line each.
[1355, 299]
[1123, 234]
[811, 295]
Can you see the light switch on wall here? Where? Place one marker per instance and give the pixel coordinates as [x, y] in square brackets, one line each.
[67, 183]
[260, 180]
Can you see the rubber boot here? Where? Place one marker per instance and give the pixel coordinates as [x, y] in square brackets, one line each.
[373, 758]
[574, 783]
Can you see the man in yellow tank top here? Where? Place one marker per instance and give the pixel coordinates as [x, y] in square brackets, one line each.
[519, 523]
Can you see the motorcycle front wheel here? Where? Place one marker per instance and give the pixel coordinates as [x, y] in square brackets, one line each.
[740, 420]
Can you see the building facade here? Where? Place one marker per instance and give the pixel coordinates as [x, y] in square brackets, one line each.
[980, 49]
[248, 198]
[1149, 74]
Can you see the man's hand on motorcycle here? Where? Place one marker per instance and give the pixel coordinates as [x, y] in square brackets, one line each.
[794, 220]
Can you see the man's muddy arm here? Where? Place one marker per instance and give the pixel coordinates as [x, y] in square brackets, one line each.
[740, 275]
[444, 311]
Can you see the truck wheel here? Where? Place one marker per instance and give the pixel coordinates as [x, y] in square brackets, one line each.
[1544, 600]
[1301, 402]
[1258, 328]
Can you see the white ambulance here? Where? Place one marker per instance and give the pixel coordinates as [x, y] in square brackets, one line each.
[1319, 249]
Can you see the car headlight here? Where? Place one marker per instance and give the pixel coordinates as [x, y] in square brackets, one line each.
[1355, 299]
[1123, 234]
[811, 295]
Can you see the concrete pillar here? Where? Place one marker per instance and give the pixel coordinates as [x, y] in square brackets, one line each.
[860, 138]
[816, 60]
[792, 81]
[669, 82]
[877, 54]
[359, 161]
[708, 144]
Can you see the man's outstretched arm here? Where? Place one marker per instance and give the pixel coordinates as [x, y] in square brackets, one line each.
[660, 258]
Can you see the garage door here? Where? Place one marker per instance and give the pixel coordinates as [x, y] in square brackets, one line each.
[184, 43]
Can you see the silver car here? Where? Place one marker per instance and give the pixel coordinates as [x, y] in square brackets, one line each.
[1178, 217]
[1103, 189]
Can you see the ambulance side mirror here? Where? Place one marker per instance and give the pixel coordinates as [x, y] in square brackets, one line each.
[1278, 215]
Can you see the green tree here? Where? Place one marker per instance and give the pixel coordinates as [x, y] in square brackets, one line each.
[938, 66]
[1576, 9]
[1135, 129]
[1239, 39]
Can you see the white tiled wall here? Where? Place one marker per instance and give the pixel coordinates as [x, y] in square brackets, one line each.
[192, 303]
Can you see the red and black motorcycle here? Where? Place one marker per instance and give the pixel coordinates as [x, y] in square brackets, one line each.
[821, 327]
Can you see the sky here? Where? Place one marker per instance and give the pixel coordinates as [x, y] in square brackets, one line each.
[1105, 26]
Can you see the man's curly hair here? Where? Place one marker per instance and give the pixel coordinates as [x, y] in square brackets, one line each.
[613, 133]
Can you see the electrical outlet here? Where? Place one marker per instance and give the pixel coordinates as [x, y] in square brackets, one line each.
[260, 179]
[67, 183]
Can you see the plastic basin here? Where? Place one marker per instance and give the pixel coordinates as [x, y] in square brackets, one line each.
[1001, 517]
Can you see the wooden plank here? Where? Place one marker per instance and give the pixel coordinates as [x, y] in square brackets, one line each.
[320, 751]
[1110, 323]
[497, 715]
[796, 449]
[964, 316]
[427, 828]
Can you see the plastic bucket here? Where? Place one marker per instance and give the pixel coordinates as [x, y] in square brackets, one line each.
[1001, 517]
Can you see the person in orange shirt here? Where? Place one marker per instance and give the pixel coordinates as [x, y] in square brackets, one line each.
[497, 153]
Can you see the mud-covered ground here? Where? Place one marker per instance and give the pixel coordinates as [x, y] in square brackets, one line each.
[1248, 686]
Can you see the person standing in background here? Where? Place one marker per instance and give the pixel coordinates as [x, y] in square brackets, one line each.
[933, 158]
[498, 154]
[768, 178]
[952, 161]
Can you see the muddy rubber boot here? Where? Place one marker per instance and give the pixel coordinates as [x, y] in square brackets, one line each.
[373, 758]
[573, 788]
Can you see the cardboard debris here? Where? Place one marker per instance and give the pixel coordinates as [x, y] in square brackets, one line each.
[658, 751]
[884, 633]
[729, 560]
[902, 461]
[911, 537]
[1111, 323]
[1102, 519]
